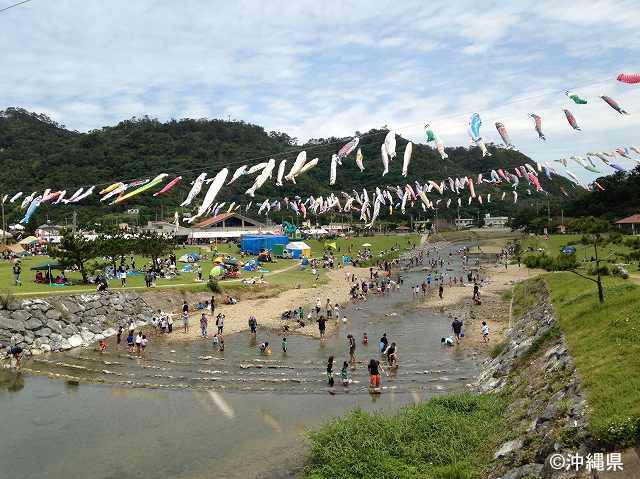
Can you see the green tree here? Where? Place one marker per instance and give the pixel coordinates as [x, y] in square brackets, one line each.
[113, 247]
[75, 250]
[153, 245]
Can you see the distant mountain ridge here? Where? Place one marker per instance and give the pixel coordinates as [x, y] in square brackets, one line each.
[38, 153]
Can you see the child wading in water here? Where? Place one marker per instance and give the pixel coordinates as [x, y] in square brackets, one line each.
[344, 374]
[330, 371]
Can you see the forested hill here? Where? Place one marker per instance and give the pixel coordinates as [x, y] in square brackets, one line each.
[37, 153]
[620, 198]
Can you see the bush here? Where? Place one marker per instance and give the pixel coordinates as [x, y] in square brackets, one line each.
[620, 272]
[214, 286]
[497, 349]
[615, 237]
[604, 270]
[632, 242]
[562, 262]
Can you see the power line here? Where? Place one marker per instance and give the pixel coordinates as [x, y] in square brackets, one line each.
[14, 5]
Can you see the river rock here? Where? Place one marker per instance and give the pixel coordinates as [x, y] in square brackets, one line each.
[20, 315]
[526, 471]
[53, 314]
[14, 305]
[109, 332]
[33, 323]
[70, 330]
[11, 324]
[94, 328]
[508, 447]
[43, 332]
[75, 340]
[87, 336]
[46, 348]
[55, 326]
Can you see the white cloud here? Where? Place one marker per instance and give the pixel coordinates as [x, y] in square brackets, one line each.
[328, 69]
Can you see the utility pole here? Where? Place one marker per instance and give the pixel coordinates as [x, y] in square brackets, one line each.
[4, 226]
[598, 279]
[548, 214]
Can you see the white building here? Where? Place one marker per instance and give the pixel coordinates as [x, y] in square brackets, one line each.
[463, 223]
[496, 222]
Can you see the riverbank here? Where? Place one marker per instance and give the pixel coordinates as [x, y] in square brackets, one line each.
[495, 307]
[268, 311]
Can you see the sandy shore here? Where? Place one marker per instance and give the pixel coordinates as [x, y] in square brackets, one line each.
[495, 310]
[268, 311]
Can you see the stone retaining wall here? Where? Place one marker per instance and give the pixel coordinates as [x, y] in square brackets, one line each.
[548, 410]
[63, 322]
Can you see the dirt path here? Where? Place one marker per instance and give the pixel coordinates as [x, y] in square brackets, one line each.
[268, 311]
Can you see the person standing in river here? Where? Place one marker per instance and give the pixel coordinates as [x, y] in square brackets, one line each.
[456, 326]
[185, 321]
[352, 348]
[330, 371]
[374, 369]
[220, 322]
[203, 325]
[253, 324]
[119, 336]
[322, 325]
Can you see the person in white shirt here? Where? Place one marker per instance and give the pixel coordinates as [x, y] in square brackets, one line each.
[485, 332]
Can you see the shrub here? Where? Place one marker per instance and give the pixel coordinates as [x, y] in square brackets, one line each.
[619, 271]
[214, 286]
[562, 262]
[497, 349]
[604, 270]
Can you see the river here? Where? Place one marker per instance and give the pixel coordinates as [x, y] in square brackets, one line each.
[190, 412]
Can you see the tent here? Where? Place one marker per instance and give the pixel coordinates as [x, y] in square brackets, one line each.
[29, 240]
[330, 244]
[189, 258]
[14, 248]
[253, 244]
[299, 249]
[216, 271]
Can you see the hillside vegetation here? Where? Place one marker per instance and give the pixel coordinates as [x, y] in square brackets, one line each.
[38, 153]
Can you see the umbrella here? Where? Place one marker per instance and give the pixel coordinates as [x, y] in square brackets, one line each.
[48, 266]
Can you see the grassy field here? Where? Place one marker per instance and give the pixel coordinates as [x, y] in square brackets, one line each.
[450, 437]
[378, 243]
[186, 281]
[604, 341]
[552, 246]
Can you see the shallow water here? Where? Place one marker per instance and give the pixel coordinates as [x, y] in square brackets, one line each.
[188, 411]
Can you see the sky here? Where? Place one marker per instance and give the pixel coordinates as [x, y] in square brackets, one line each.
[318, 69]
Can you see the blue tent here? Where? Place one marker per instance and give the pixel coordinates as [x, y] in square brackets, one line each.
[253, 244]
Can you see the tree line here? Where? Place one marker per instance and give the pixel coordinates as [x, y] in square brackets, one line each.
[77, 251]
